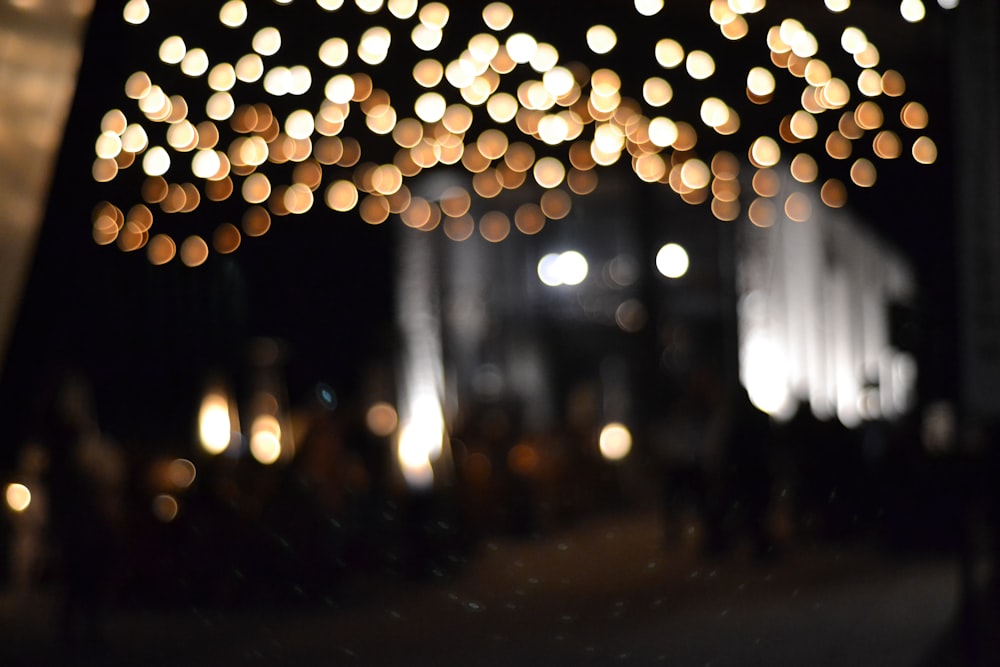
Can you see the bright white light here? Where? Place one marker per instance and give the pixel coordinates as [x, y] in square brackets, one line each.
[374, 45]
[136, 11]
[558, 81]
[214, 425]
[249, 68]
[195, 62]
[912, 10]
[300, 124]
[18, 497]
[430, 107]
[206, 163]
[648, 7]
[765, 376]
[233, 14]
[421, 440]
[662, 131]
[173, 50]
[334, 52]
[340, 89]
[521, 47]
[265, 439]
[425, 37]
[267, 41]
[615, 441]
[566, 268]
[403, 9]
[498, 15]
[108, 145]
[672, 261]
[156, 161]
[547, 270]
[837, 5]
[948, 4]
[853, 40]
[601, 39]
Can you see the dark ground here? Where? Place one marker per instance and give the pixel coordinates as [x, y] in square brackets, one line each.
[605, 591]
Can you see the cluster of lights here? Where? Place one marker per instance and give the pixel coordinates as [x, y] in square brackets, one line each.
[508, 113]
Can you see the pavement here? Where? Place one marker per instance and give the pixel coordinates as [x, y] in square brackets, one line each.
[603, 591]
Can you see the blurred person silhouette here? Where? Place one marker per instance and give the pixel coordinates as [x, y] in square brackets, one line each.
[689, 449]
[748, 476]
[85, 480]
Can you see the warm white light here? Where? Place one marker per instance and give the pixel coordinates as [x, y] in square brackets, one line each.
[421, 440]
[374, 45]
[521, 47]
[657, 92]
[615, 441]
[502, 107]
[18, 497]
[278, 81]
[553, 129]
[134, 139]
[173, 50]
[714, 112]
[265, 439]
[837, 5]
[765, 376]
[662, 132]
[267, 41]
[233, 14]
[804, 44]
[156, 161]
[300, 124]
[340, 89]
[648, 7]
[558, 81]
[430, 107]
[205, 163]
[765, 152]
[222, 77]
[425, 37]
[912, 11]
[249, 68]
[214, 426]
[435, 15]
[700, 65]
[498, 15]
[220, 106]
[484, 47]
[403, 9]
[195, 62]
[672, 261]
[301, 80]
[136, 11]
[760, 81]
[853, 40]
[108, 145]
[669, 53]
[549, 172]
[334, 51]
[601, 39]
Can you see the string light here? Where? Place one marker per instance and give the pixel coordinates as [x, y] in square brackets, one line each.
[502, 112]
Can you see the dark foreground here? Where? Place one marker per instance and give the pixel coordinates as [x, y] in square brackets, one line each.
[603, 592]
